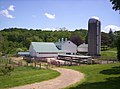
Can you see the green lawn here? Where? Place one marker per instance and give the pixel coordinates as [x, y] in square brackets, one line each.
[105, 76]
[112, 49]
[26, 75]
[108, 54]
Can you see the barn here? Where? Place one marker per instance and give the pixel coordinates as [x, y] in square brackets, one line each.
[67, 46]
[83, 48]
[44, 49]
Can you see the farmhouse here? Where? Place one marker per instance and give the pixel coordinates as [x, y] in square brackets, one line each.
[67, 46]
[44, 49]
[83, 48]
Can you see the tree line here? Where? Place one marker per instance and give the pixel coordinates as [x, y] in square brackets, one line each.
[13, 40]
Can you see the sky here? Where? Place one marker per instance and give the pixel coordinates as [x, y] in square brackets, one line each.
[54, 14]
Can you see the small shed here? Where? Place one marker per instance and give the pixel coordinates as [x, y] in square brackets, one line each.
[83, 48]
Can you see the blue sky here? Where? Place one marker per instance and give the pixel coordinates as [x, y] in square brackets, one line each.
[53, 14]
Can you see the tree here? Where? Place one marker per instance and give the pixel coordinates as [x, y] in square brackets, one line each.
[1, 42]
[76, 39]
[111, 38]
[86, 39]
[116, 4]
[104, 39]
[118, 47]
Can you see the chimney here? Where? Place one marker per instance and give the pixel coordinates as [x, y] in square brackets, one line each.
[58, 40]
[65, 39]
[62, 39]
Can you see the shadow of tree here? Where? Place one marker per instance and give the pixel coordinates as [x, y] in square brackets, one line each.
[110, 83]
[113, 70]
[1, 74]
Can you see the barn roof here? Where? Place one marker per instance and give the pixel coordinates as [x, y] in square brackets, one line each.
[83, 45]
[45, 47]
[62, 42]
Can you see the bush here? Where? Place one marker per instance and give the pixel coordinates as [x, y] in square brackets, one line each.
[6, 70]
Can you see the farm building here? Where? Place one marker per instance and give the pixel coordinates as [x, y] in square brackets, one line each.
[67, 46]
[44, 49]
[83, 48]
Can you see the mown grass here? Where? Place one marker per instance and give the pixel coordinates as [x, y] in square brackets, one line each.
[26, 75]
[105, 76]
[108, 55]
[113, 49]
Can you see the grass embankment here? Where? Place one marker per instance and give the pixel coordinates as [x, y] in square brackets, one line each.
[26, 75]
[105, 76]
[110, 54]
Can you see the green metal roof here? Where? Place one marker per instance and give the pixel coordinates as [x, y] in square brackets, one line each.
[45, 47]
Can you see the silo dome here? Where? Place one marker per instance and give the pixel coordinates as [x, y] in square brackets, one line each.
[93, 19]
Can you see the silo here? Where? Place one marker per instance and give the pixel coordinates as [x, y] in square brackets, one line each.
[94, 36]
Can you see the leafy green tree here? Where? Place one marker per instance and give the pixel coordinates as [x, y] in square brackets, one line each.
[1, 42]
[86, 39]
[116, 4]
[118, 47]
[76, 39]
[111, 38]
[104, 39]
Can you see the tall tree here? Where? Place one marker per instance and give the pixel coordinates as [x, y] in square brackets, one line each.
[76, 39]
[1, 42]
[104, 39]
[86, 39]
[111, 37]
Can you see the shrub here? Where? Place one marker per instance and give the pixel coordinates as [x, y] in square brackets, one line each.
[6, 70]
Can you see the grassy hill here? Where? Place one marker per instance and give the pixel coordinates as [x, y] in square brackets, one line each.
[26, 75]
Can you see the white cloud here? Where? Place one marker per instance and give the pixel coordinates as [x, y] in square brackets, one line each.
[113, 27]
[50, 16]
[11, 8]
[6, 14]
[95, 17]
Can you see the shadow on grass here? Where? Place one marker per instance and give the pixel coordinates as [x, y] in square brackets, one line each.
[110, 83]
[1, 74]
[113, 70]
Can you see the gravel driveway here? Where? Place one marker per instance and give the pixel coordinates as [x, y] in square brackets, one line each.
[66, 78]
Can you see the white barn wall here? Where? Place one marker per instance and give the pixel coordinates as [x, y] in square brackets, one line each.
[82, 49]
[46, 55]
[32, 51]
[69, 47]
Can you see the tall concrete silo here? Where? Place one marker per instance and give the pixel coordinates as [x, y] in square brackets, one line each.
[94, 36]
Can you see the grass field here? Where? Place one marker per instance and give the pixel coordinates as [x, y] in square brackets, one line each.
[26, 75]
[105, 76]
[108, 55]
